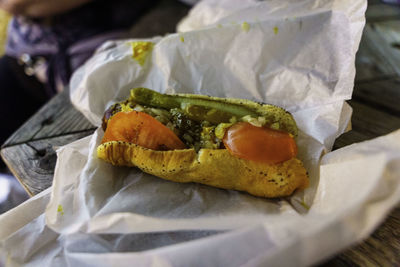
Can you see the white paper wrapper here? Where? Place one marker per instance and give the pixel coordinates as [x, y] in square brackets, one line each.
[295, 54]
[358, 186]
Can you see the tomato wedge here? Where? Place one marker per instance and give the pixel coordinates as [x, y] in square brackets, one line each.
[141, 129]
[259, 144]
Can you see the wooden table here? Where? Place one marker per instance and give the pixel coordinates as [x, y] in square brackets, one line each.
[29, 152]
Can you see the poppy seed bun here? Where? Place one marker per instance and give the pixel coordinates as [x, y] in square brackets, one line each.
[214, 167]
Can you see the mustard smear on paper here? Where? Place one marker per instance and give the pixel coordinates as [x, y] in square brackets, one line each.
[141, 50]
[304, 205]
[8, 263]
[276, 30]
[60, 209]
[182, 39]
[245, 26]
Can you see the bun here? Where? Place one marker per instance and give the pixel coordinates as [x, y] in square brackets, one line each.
[214, 167]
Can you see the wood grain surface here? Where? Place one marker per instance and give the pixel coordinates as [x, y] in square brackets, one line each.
[56, 118]
[33, 162]
[30, 152]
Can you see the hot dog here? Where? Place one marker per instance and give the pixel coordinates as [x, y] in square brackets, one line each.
[222, 142]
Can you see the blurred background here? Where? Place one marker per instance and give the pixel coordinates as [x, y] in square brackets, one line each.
[11, 191]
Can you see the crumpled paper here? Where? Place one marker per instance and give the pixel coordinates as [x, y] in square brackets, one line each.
[359, 184]
[295, 54]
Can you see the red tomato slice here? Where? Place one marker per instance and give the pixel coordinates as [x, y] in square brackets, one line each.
[141, 129]
[259, 144]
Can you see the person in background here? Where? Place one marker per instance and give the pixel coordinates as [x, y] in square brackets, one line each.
[47, 41]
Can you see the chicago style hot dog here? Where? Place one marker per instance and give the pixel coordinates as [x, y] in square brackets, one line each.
[226, 143]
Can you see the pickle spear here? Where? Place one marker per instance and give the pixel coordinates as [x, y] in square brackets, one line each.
[196, 108]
